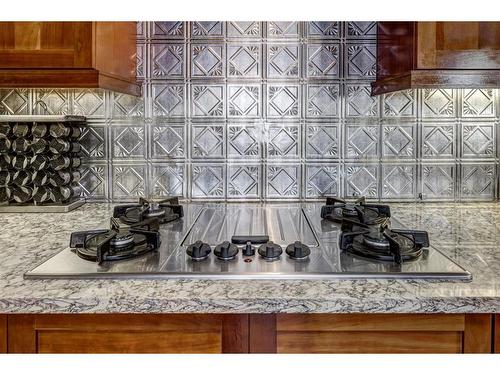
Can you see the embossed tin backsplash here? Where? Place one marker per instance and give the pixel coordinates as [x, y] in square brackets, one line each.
[273, 111]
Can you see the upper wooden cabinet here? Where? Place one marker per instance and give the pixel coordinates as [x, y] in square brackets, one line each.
[437, 54]
[69, 54]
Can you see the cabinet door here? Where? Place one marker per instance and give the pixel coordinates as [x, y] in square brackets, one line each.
[128, 333]
[372, 333]
[39, 45]
[458, 45]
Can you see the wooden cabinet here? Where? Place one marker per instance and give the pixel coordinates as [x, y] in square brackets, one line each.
[128, 333]
[3, 333]
[243, 333]
[437, 54]
[374, 333]
[69, 54]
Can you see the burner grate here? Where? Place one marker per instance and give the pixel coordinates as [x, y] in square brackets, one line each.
[165, 210]
[337, 210]
[116, 243]
[380, 243]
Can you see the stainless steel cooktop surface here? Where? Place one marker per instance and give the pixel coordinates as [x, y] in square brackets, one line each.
[284, 223]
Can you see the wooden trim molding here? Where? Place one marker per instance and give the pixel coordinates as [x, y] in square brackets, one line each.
[262, 335]
[477, 333]
[3, 333]
[235, 330]
[371, 322]
[61, 78]
[496, 338]
[66, 78]
[420, 79]
[21, 334]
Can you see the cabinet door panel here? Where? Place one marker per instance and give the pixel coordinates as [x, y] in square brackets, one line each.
[372, 322]
[369, 342]
[128, 342]
[128, 333]
[458, 45]
[37, 45]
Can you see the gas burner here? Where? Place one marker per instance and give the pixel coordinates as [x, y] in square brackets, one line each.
[379, 242]
[337, 210]
[166, 210]
[116, 243]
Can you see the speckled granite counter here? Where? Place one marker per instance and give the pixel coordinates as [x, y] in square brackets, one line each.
[468, 233]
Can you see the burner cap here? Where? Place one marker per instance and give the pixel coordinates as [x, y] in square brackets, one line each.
[154, 212]
[378, 242]
[122, 240]
[349, 211]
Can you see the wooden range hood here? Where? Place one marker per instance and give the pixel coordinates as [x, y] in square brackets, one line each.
[69, 55]
[437, 55]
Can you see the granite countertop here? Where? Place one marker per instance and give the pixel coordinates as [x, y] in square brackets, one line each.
[468, 233]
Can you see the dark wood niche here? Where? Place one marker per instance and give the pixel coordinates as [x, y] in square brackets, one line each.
[69, 55]
[437, 55]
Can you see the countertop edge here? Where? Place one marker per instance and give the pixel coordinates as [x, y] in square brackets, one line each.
[451, 305]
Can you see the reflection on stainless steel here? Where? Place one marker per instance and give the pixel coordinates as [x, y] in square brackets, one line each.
[283, 223]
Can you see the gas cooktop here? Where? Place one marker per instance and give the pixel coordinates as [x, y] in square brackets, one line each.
[336, 240]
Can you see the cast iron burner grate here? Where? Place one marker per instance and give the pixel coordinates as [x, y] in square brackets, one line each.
[165, 211]
[117, 243]
[379, 242]
[337, 210]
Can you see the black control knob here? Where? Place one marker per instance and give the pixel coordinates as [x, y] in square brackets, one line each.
[298, 250]
[248, 250]
[226, 251]
[270, 251]
[199, 250]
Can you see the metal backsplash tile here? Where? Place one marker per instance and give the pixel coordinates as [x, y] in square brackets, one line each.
[275, 111]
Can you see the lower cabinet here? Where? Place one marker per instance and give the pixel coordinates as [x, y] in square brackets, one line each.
[254, 333]
[127, 333]
[371, 333]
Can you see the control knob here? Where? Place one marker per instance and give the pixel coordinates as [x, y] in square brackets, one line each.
[226, 251]
[298, 250]
[270, 251]
[248, 249]
[199, 250]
